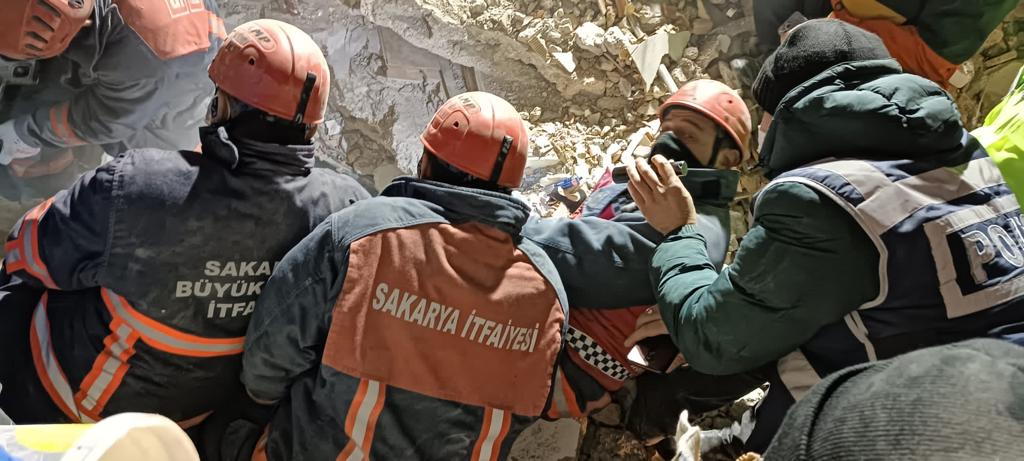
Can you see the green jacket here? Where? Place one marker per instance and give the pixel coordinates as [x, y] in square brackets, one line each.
[955, 29]
[805, 263]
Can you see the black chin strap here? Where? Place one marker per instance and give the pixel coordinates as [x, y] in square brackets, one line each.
[719, 137]
[307, 91]
[499, 163]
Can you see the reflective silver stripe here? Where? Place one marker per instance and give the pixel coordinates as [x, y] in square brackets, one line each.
[14, 255]
[110, 366]
[957, 303]
[54, 374]
[493, 433]
[860, 331]
[29, 256]
[797, 374]
[150, 335]
[883, 252]
[362, 422]
[886, 203]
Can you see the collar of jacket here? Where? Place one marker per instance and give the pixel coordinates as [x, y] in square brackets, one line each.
[868, 110]
[242, 154]
[461, 204]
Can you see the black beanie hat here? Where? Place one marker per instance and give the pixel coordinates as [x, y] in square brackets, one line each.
[810, 49]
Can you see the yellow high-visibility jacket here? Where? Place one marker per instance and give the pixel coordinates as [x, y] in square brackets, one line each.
[1003, 136]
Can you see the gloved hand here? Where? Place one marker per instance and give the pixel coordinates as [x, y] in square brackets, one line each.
[12, 147]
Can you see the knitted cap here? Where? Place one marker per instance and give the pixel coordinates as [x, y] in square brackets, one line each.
[809, 50]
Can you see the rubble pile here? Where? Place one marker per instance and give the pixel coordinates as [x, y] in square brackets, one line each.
[628, 56]
[588, 76]
[985, 79]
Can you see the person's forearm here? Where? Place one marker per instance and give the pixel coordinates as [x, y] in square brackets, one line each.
[693, 308]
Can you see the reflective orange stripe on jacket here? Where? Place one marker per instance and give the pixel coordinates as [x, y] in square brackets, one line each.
[47, 367]
[23, 251]
[127, 327]
[167, 339]
[492, 435]
[361, 421]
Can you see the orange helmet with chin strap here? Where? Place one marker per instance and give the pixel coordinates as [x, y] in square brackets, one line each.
[274, 67]
[716, 101]
[482, 135]
[41, 29]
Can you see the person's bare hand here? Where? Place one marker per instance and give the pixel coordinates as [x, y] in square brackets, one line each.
[660, 195]
[648, 325]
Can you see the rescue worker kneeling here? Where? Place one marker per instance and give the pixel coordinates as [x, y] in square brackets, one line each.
[706, 124]
[431, 322]
[151, 264]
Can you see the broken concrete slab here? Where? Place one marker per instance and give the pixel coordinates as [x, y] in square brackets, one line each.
[647, 56]
[590, 37]
[566, 60]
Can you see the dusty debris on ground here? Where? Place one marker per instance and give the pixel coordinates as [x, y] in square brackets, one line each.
[990, 72]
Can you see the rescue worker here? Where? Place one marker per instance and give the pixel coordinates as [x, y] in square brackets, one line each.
[429, 323]
[930, 39]
[112, 74]
[706, 124]
[152, 263]
[886, 228]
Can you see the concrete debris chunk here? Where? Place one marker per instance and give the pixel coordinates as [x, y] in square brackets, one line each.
[702, 10]
[626, 88]
[702, 26]
[616, 41]
[647, 56]
[677, 42]
[566, 60]
[609, 103]
[609, 416]
[691, 53]
[728, 75]
[724, 42]
[710, 50]
[476, 7]
[1001, 59]
[651, 16]
[963, 75]
[590, 37]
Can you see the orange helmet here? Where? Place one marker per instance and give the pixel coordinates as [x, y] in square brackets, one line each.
[718, 102]
[41, 29]
[480, 134]
[275, 67]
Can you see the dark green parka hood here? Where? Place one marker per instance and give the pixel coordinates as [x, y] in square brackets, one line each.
[868, 110]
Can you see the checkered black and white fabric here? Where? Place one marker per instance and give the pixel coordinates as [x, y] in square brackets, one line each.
[594, 354]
